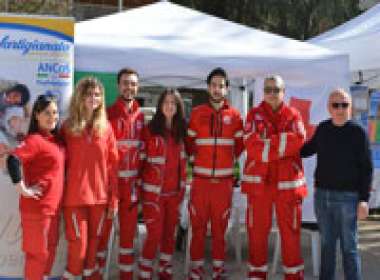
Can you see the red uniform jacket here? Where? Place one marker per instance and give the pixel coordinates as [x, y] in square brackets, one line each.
[215, 139]
[273, 140]
[160, 164]
[127, 126]
[91, 167]
[42, 158]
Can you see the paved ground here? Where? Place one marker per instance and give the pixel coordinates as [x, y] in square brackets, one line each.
[369, 248]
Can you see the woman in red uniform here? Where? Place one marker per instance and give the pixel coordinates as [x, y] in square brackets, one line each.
[36, 168]
[91, 182]
[164, 178]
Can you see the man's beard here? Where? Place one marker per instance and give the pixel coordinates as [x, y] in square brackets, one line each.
[216, 100]
[129, 99]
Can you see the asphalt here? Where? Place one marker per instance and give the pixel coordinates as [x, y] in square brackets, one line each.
[369, 246]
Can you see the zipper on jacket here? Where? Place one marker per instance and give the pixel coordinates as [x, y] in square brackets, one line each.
[221, 125]
[215, 133]
[179, 170]
[212, 125]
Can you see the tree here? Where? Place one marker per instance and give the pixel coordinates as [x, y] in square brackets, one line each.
[51, 7]
[298, 19]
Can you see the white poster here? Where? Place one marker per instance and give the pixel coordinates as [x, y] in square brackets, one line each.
[36, 55]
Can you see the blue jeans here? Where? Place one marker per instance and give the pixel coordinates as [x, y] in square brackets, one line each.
[336, 214]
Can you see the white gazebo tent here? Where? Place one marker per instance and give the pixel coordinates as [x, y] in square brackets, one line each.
[172, 45]
[360, 39]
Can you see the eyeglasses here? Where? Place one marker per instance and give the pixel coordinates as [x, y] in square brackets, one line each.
[274, 90]
[343, 105]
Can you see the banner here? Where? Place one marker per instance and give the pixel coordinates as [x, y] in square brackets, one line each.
[36, 55]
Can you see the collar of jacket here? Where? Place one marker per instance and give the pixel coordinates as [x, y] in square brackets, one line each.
[120, 104]
[225, 105]
[268, 111]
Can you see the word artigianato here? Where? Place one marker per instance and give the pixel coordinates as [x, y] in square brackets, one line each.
[25, 46]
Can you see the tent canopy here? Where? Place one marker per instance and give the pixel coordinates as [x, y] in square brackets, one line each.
[168, 40]
[359, 37]
[164, 40]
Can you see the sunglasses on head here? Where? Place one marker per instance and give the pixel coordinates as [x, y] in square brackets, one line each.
[274, 90]
[337, 105]
[47, 97]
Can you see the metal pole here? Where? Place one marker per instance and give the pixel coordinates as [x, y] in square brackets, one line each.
[245, 97]
[120, 5]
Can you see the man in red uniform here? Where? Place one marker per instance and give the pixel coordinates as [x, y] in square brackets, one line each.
[127, 121]
[273, 175]
[215, 141]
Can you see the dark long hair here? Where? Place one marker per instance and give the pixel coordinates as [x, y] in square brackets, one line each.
[41, 103]
[158, 125]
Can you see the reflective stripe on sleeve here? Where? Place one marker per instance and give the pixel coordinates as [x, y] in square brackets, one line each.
[287, 185]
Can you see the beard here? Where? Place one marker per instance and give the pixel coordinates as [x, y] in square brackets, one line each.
[216, 100]
[129, 99]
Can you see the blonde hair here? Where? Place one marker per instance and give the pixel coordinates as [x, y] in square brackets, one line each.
[76, 122]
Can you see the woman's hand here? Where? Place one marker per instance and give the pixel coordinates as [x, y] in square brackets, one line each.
[29, 192]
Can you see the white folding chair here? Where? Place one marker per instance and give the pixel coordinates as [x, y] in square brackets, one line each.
[237, 224]
[186, 269]
[315, 249]
[110, 248]
[238, 221]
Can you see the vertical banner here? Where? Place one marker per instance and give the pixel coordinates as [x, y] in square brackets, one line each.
[374, 136]
[36, 55]
[366, 111]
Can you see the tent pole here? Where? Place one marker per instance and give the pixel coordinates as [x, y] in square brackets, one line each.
[244, 92]
[120, 5]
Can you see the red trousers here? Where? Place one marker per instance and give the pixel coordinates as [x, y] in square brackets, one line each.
[288, 209]
[161, 220]
[39, 243]
[83, 229]
[128, 211]
[210, 201]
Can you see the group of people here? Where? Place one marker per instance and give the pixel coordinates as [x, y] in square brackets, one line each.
[100, 163]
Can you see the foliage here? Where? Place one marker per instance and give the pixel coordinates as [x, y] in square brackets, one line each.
[298, 19]
[42, 7]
